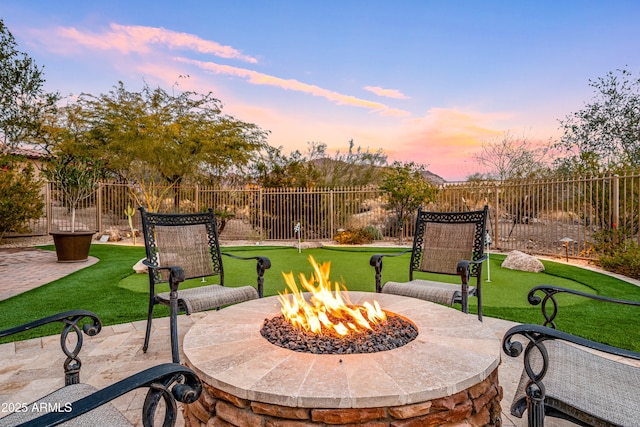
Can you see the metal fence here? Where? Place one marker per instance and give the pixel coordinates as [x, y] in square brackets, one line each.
[556, 216]
[546, 217]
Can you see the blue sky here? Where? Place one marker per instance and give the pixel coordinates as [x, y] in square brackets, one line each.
[425, 81]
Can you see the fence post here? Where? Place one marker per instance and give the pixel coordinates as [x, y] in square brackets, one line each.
[616, 207]
[496, 233]
[48, 208]
[197, 197]
[99, 206]
[261, 213]
[332, 231]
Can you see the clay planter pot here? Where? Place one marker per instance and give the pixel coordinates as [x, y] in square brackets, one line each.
[72, 247]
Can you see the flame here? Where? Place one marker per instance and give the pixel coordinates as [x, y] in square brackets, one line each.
[327, 311]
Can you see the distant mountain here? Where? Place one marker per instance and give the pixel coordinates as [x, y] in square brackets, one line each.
[335, 171]
[433, 178]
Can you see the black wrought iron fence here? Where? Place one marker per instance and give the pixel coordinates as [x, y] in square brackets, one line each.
[550, 217]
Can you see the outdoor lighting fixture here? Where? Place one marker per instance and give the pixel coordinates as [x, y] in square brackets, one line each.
[487, 242]
[565, 242]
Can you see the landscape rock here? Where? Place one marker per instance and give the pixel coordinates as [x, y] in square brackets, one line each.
[113, 233]
[517, 260]
[139, 267]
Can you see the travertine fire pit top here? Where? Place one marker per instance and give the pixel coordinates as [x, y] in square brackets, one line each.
[452, 352]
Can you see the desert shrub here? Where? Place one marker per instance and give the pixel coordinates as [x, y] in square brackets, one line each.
[625, 260]
[20, 199]
[375, 233]
[357, 236]
[610, 240]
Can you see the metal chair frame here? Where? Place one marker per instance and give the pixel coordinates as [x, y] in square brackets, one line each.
[169, 382]
[465, 268]
[553, 357]
[178, 299]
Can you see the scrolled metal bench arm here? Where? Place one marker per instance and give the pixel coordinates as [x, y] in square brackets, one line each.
[536, 335]
[159, 379]
[71, 321]
[550, 291]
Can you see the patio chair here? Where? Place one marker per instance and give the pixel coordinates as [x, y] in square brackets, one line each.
[186, 246]
[85, 405]
[447, 243]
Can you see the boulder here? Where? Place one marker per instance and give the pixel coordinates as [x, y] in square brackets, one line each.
[517, 260]
[139, 267]
[113, 233]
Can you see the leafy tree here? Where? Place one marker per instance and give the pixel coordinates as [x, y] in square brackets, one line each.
[155, 139]
[276, 170]
[20, 199]
[606, 132]
[408, 189]
[508, 157]
[23, 100]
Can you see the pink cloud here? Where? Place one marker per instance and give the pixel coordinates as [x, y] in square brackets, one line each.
[146, 41]
[388, 93]
[140, 39]
[258, 78]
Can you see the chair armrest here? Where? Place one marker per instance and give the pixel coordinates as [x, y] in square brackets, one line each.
[176, 274]
[540, 360]
[537, 334]
[464, 271]
[71, 320]
[465, 264]
[550, 291]
[158, 379]
[376, 262]
[263, 263]
[71, 317]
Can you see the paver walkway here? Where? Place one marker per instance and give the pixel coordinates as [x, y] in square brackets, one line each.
[25, 268]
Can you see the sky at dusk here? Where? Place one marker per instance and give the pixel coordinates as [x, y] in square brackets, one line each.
[425, 81]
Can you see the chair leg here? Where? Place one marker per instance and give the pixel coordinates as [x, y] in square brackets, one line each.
[175, 355]
[465, 298]
[149, 319]
[479, 294]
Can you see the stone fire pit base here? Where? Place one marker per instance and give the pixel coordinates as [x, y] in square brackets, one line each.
[478, 405]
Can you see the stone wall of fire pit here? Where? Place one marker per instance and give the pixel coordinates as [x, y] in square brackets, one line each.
[476, 406]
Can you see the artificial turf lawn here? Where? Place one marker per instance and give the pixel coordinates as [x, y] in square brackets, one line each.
[110, 289]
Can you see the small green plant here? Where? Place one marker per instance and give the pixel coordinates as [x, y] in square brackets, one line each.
[222, 216]
[377, 234]
[609, 240]
[130, 212]
[75, 178]
[624, 259]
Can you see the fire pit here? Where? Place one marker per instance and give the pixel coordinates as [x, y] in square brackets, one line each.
[324, 321]
[447, 374]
